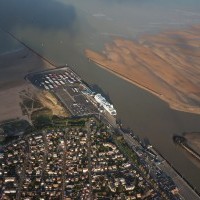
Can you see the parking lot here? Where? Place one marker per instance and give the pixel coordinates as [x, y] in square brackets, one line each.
[67, 86]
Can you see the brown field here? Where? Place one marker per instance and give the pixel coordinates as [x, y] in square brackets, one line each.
[166, 64]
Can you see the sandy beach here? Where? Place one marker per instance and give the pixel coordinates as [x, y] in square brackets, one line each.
[165, 64]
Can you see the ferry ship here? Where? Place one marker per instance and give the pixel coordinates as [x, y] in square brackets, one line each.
[107, 106]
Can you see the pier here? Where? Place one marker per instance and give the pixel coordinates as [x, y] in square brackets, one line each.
[182, 142]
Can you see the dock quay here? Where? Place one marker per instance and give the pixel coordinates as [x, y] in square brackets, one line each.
[76, 96]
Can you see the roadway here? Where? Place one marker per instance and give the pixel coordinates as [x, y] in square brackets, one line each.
[185, 191]
[70, 101]
[89, 159]
[24, 167]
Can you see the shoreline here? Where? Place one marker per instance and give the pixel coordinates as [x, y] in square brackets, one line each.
[15, 64]
[14, 67]
[177, 172]
[10, 103]
[171, 103]
[158, 63]
[166, 167]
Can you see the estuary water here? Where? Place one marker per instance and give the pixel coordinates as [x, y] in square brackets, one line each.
[61, 29]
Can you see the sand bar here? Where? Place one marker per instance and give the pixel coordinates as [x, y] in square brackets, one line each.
[166, 64]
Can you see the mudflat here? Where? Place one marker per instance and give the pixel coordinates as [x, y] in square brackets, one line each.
[166, 64]
[13, 68]
[15, 65]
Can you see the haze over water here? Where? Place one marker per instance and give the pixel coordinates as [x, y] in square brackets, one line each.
[61, 30]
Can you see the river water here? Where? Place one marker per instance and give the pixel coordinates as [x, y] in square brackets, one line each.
[62, 29]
